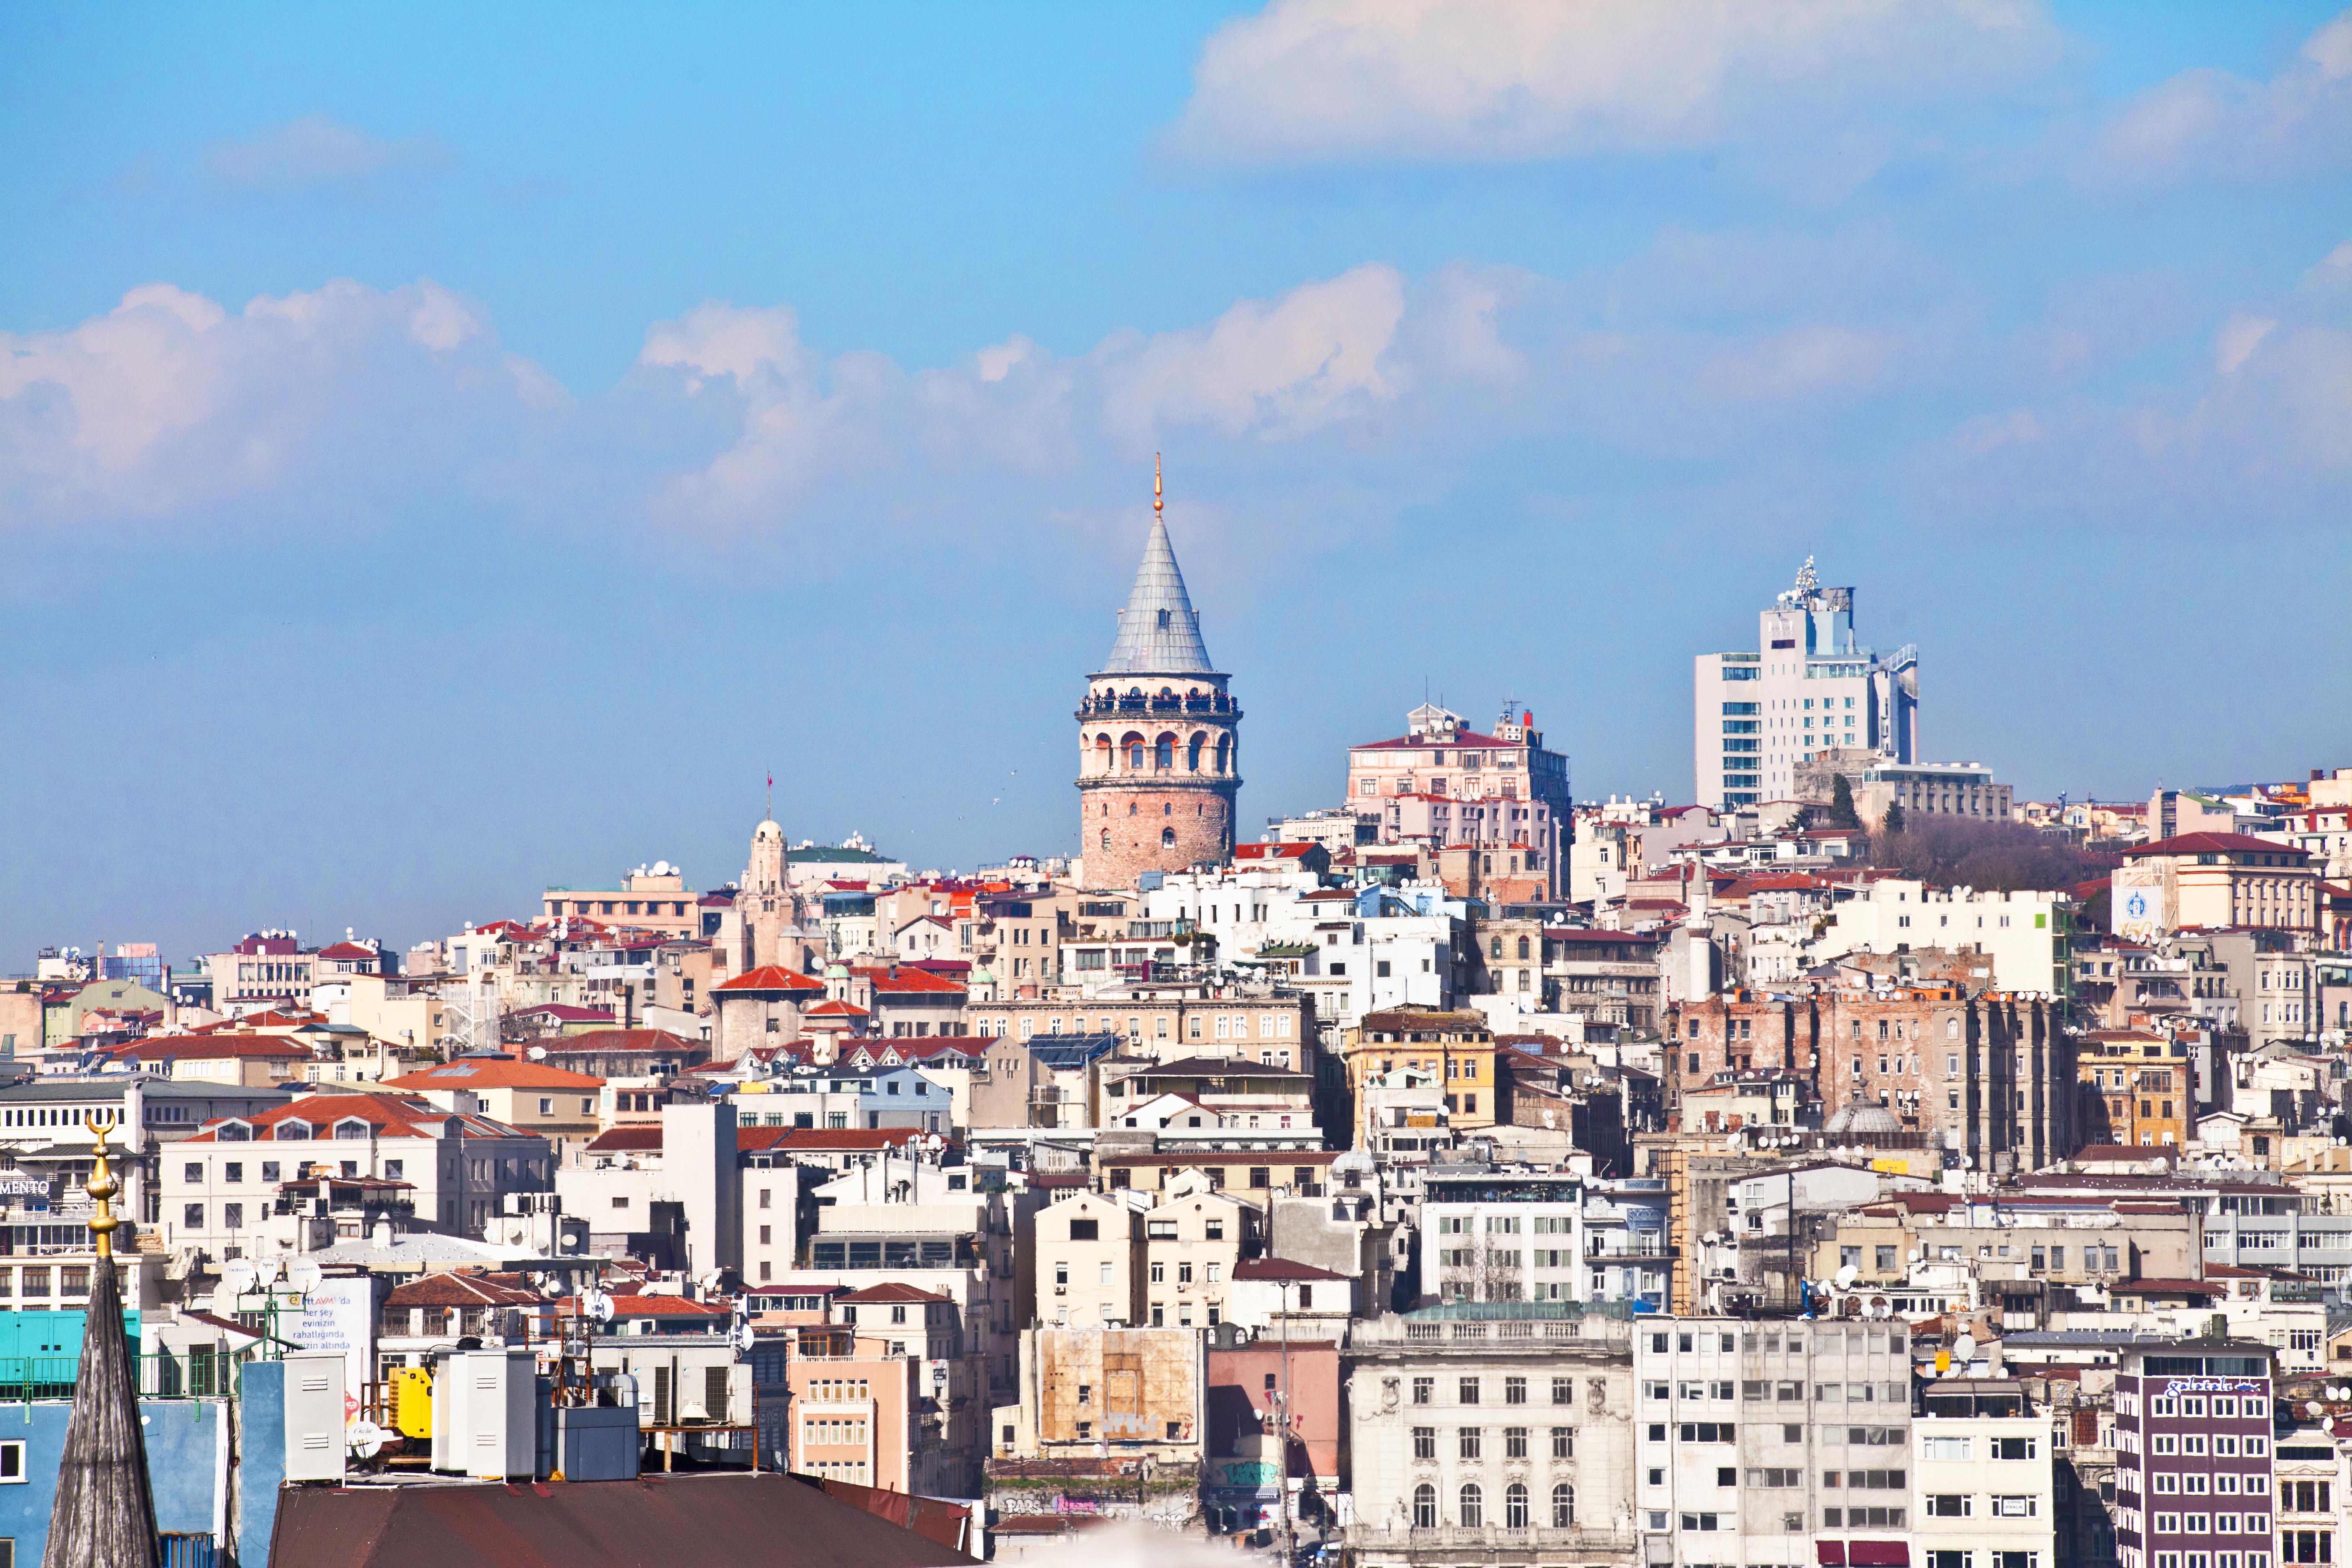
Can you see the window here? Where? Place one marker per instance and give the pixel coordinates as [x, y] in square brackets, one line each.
[1424, 1507]
[1468, 1442]
[2013, 1447]
[1944, 1448]
[1424, 1390]
[1425, 1442]
[1086, 1230]
[1473, 1510]
[1563, 1442]
[1563, 1390]
[1950, 1505]
[1469, 1391]
[1514, 1506]
[193, 1217]
[1514, 1442]
[1515, 1391]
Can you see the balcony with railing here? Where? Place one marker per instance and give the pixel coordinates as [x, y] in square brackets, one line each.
[1488, 1542]
[1109, 705]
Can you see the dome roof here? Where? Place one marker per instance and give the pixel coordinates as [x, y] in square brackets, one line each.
[1858, 1117]
[768, 832]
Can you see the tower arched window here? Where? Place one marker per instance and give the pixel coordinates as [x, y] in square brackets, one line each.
[1135, 752]
[1193, 753]
[1168, 838]
[1224, 751]
[1424, 1507]
[1163, 754]
[1106, 839]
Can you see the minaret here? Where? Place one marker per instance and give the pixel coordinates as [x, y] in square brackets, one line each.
[765, 900]
[105, 1510]
[1158, 737]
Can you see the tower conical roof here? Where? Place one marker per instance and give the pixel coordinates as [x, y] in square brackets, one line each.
[103, 1511]
[1158, 632]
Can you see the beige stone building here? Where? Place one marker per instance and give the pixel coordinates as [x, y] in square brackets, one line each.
[2213, 880]
[1090, 1260]
[1192, 1240]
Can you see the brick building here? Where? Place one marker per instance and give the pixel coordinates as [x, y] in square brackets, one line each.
[1978, 1074]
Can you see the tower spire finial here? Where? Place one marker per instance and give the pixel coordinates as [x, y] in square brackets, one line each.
[103, 1187]
[1159, 507]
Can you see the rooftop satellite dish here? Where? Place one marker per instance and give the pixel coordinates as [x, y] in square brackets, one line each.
[237, 1279]
[597, 1305]
[2314, 1409]
[537, 1053]
[744, 1336]
[1847, 1276]
[304, 1275]
[269, 1270]
[1964, 1349]
[365, 1437]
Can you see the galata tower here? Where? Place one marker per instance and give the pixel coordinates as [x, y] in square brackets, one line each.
[1158, 736]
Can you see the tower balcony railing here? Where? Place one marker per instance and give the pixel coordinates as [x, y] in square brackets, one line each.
[1216, 703]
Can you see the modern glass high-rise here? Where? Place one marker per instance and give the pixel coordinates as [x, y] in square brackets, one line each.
[1808, 688]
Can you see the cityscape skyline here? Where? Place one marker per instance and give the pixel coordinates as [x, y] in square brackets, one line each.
[439, 536]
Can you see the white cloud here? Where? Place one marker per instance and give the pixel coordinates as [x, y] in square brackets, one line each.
[169, 404]
[1310, 81]
[2212, 125]
[1736, 353]
[313, 152]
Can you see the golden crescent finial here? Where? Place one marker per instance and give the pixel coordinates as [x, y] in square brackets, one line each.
[1157, 504]
[103, 1187]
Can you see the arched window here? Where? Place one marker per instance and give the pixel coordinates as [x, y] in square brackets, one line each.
[1135, 752]
[1474, 1506]
[1168, 838]
[1224, 752]
[1106, 839]
[1563, 1507]
[1494, 948]
[1193, 753]
[1163, 754]
[1102, 753]
[1514, 1506]
[1523, 947]
[1424, 1507]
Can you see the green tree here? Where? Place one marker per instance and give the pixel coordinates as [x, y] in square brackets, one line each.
[1893, 824]
[1841, 812]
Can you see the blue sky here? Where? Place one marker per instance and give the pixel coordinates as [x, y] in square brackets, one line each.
[444, 453]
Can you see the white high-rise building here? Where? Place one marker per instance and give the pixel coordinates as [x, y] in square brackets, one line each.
[1808, 687]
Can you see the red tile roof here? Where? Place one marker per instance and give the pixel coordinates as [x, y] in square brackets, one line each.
[1462, 739]
[391, 1116]
[494, 1073]
[2214, 843]
[907, 979]
[349, 950]
[607, 1040]
[893, 1291]
[770, 977]
[212, 1047]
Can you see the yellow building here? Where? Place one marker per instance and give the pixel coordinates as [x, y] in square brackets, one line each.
[1455, 1048]
[2133, 1089]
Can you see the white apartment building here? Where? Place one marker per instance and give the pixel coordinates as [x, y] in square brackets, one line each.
[1807, 687]
[1983, 1492]
[219, 1188]
[1502, 1236]
[1497, 1436]
[2020, 937]
[1355, 952]
[1754, 1440]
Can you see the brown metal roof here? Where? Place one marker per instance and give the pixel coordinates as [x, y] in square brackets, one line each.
[741, 1520]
